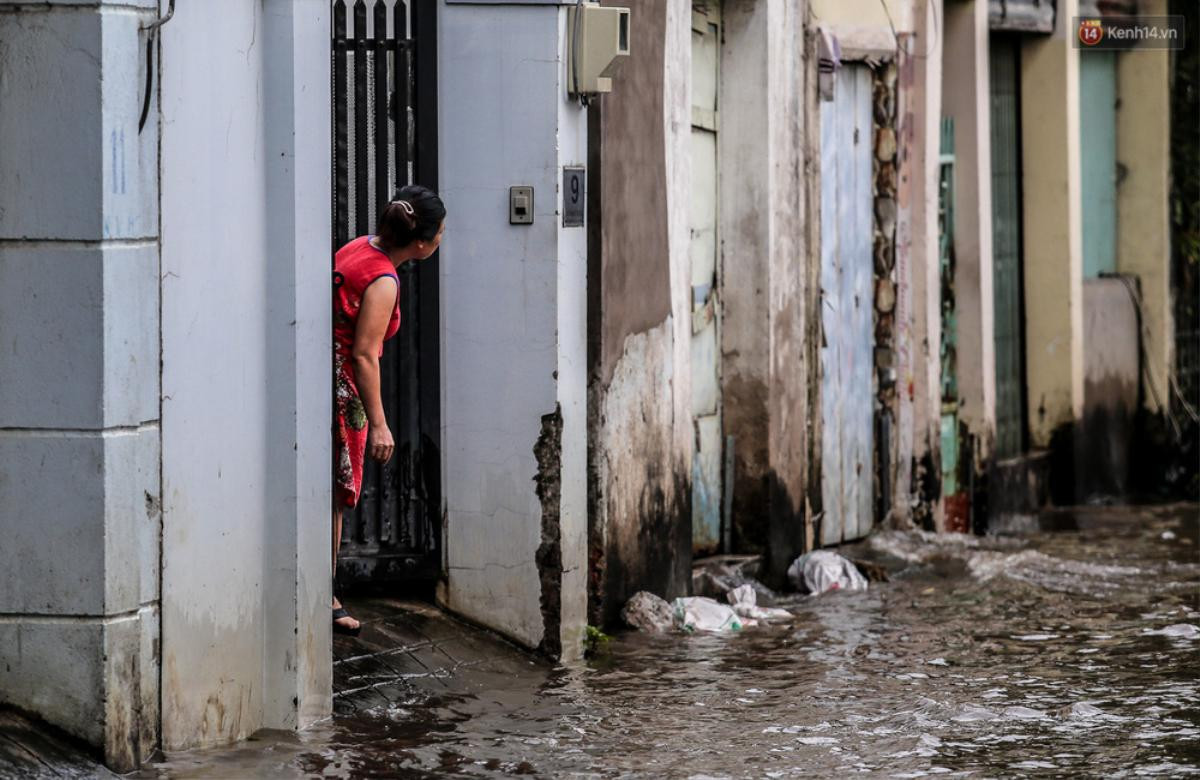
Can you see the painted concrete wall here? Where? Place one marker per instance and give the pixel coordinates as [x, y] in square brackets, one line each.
[514, 328]
[79, 430]
[1143, 202]
[1052, 223]
[639, 420]
[245, 323]
[965, 99]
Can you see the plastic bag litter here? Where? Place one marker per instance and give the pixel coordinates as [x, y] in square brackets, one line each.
[824, 570]
[744, 600]
[697, 613]
[715, 577]
[647, 612]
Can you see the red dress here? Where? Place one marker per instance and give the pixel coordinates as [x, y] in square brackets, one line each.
[355, 267]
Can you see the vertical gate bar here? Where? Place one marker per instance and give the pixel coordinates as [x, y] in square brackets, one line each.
[424, 34]
[407, 377]
[408, 517]
[340, 207]
[380, 107]
[361, 158]
[380, 148]
[402, 97]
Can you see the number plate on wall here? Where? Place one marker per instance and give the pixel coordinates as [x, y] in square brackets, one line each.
[574, 196]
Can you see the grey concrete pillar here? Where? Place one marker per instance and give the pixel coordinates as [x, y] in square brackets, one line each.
[79, 374]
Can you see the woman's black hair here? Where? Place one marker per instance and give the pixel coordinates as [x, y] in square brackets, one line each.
[414, 214]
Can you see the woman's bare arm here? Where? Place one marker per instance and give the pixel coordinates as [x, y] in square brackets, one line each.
[379, 301]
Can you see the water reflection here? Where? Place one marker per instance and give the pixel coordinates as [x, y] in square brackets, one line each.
[1062, 652]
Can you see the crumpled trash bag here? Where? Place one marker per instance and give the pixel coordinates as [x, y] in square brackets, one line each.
[647, 612]
[744, 600]
[698, 613]
[824, 570]
[715, 577]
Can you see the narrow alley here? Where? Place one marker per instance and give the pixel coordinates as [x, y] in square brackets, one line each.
[599, 388]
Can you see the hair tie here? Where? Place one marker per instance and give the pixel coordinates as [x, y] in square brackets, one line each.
[406, 206]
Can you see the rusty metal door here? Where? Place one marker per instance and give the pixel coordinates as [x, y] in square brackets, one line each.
[956, 497]
[707, 460]
[847, 308]
[385, 136]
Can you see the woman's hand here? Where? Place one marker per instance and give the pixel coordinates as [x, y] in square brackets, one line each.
[380, 445]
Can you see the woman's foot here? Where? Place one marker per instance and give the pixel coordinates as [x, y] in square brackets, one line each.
[343, 623]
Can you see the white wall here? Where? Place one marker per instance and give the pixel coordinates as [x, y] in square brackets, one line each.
[513, 316]
[245, 323]
[79, 434]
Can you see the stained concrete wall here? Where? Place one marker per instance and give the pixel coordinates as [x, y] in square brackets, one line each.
[245, 324]
[1143, 202]
[513, 328]
[640, 435]
[79, 416]
[1052, 226]
[744, 224]
[767, 272]
[919, 143]
[1111, 374]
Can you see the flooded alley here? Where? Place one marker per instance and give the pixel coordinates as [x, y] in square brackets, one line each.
[1069, 649]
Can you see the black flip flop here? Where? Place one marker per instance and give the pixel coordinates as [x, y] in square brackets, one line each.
[339, 628]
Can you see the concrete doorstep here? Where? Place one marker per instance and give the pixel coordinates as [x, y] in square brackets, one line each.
[409, 655]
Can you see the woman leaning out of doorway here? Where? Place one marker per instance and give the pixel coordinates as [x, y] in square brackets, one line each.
[366, 312]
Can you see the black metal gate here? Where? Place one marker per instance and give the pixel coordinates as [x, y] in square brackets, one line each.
[385, 136]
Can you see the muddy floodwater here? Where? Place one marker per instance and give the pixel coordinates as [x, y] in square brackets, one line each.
[1072, 648]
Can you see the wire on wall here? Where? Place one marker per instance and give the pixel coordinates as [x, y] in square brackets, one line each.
[152, 33]
[575, 25]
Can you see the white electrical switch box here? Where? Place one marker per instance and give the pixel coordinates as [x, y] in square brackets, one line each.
[597, 40]
[520, 205]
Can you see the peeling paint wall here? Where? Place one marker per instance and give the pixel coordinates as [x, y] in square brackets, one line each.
[639, 425]
[641, 520]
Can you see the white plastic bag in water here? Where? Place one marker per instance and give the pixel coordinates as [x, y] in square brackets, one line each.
[698, 613]
[825, 570]
[744, 600]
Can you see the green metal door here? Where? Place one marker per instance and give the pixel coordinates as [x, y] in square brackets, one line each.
[708, 458]
[949, 346]
[1098, 160]
[1006, 246]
